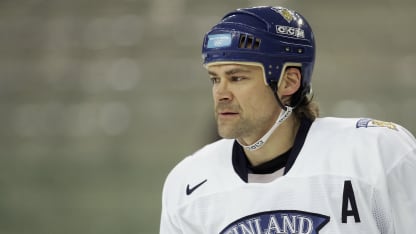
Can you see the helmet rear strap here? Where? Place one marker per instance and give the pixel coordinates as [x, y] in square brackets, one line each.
[273, 86]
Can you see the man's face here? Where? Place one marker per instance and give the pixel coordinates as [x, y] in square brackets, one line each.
[245, 107]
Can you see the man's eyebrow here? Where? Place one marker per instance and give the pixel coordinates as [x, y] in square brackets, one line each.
[211, 73]
[237, 70]
[231, 71]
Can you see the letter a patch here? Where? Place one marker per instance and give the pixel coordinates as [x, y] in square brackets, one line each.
[348, 198]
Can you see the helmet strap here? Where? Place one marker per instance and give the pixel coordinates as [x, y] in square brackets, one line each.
[284, 114]
[273, 86]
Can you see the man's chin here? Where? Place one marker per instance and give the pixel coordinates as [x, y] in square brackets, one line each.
[226, 135]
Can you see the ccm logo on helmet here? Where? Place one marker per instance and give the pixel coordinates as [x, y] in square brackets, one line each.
[296, 32]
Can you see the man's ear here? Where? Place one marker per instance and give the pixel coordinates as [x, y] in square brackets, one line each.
[291, 82]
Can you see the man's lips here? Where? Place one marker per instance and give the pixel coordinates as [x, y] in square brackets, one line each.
[227, 113]
[227, 110]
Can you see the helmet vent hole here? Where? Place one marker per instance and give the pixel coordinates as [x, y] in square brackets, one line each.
[256, 43]
[242, 41]
[249, 42]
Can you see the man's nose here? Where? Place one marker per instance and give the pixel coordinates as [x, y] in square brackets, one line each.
[222, 92]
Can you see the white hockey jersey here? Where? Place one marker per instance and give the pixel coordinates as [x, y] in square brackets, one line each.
[351, 176]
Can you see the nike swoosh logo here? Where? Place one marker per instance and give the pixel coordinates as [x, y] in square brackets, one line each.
[190, 190]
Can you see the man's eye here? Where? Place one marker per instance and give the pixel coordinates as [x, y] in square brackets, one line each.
[215, 80]
[237, 78]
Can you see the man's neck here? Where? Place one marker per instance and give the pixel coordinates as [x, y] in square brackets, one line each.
[279, 142]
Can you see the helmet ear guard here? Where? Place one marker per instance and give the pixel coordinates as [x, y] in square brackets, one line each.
[298, 96]
[274, 37]
[304, 91]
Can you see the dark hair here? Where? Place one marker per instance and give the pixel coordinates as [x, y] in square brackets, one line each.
[307, 108]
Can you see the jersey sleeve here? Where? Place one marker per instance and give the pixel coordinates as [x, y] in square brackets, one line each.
[167, 223]
[172, 198]
[402, 190]
[167, 226]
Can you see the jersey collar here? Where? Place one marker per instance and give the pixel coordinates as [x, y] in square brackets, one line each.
[242, 166]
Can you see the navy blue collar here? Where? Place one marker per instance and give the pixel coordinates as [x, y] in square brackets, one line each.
[242, 166]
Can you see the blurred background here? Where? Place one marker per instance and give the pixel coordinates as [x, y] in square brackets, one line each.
[101, 98]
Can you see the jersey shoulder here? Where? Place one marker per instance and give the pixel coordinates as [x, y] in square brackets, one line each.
[210, 154]
[212, 163]
[358, 130]
[353, 147]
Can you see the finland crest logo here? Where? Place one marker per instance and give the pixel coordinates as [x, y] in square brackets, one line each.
[368, 123]
[285, 13]
[278, 221]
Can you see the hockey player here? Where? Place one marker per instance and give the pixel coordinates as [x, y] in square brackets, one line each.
[280, 168]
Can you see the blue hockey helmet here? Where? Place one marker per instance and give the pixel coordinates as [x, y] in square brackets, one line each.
[273, 37]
